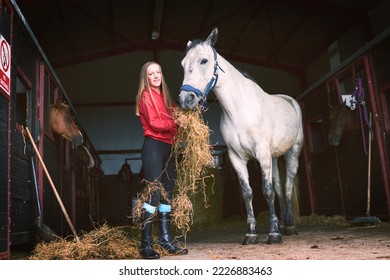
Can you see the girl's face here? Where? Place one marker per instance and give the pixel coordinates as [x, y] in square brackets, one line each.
[154, 76]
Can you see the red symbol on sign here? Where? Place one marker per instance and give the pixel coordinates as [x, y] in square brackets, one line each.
[5, 59]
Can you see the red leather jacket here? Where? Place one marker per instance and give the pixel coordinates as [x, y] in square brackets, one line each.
[156, 119]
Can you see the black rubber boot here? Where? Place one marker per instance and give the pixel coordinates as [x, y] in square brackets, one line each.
[164, 239]
[147, 251]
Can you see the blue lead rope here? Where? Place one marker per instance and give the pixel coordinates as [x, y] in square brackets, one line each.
[358, 99]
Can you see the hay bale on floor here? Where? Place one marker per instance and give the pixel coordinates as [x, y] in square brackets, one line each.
[207, 204]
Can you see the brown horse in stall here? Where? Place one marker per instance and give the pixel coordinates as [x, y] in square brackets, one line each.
[63, 124]
[341, 121]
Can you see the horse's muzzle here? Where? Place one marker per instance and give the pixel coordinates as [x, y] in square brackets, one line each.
[188, 100]
[334, 141]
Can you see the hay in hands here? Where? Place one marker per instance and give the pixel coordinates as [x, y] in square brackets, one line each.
[193, 158]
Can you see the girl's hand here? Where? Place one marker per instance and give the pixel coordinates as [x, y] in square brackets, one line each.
[177, 122]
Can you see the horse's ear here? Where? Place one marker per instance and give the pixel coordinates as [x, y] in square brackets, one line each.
[212, 39]
[189, 43]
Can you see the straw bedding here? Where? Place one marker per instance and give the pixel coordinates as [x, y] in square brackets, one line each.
[104, 242]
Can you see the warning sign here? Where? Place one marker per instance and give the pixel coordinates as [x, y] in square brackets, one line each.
[5, 65]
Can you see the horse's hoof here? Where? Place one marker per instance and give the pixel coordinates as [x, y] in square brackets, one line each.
[291, 230]
[274, 239]
[250, 239]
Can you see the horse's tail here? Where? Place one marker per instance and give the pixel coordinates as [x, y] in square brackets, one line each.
[295, 195]
[294, 103]
[295, 200]
[299, 143]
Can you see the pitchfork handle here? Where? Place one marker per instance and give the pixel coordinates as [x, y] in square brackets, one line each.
[52, 185]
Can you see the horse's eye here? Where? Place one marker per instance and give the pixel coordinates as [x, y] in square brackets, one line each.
[204, 61]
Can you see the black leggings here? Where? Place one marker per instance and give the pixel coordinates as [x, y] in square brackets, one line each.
[159, 165]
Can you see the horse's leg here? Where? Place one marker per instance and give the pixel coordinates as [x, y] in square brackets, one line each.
[247, 195]
[274, 235]
[292, 162]
[279, 191]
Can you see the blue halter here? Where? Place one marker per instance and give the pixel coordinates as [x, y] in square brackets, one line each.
[210, 85]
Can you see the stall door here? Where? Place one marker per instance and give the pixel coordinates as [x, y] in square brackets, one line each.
[322, 165]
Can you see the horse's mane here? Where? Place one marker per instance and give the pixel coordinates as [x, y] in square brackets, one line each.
[196, 42]
[60, 106]
[248, 76]
[337, 110]
[63, 109]
[193, 44]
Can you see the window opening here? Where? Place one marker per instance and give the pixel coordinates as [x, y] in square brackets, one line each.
[21, 102]
[317, 137]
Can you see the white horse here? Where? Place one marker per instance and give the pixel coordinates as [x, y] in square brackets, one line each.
[254, 124]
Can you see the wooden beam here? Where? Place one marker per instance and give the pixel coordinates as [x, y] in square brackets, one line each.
[224, 18]
[289, 35]
[248, 26]
[110, 12]
[157, 19]
[98, 21]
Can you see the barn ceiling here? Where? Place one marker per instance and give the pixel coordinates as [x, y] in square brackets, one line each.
[280, 34]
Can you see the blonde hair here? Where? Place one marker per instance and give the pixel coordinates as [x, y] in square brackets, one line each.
[144, 86]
